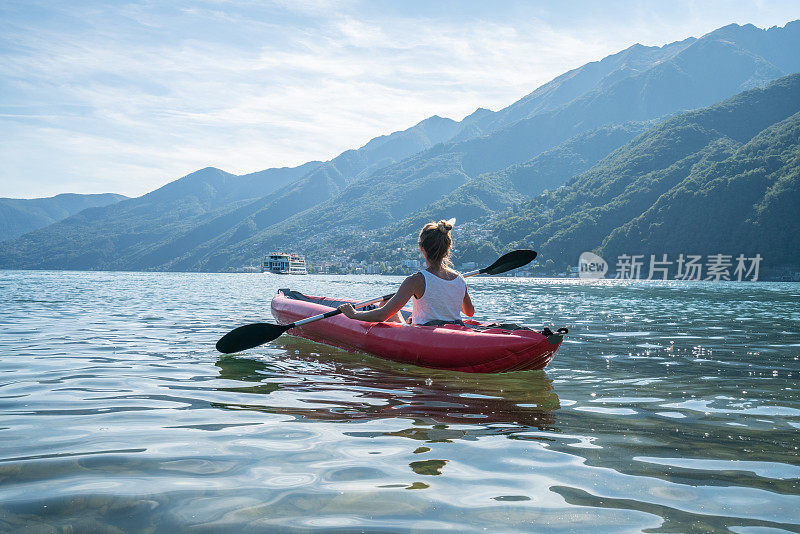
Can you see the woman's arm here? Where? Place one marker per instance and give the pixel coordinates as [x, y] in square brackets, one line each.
[467, 308]
[409, 288]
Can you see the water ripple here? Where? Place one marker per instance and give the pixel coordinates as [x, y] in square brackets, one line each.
[670, 407]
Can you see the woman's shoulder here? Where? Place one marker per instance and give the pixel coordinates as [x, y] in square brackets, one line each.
[415, 278]
[453, 274]
[414, 284]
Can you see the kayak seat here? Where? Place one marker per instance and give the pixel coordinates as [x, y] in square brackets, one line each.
[436, 322]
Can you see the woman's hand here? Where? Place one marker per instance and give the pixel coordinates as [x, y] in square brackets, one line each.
[348, 310]
[409, 288]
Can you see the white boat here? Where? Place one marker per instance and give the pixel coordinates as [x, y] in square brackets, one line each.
[281, 263]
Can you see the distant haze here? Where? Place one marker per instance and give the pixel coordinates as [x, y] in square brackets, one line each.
[126, 98]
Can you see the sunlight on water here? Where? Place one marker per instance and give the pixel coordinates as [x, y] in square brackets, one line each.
[669, 407]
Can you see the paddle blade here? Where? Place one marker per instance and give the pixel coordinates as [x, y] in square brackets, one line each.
[249, 336]
[512, 260]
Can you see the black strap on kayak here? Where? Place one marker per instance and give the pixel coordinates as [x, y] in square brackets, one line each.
[437, 322]
[495, 326]
[554, 338]
[294, 295]
[478, 327]
[548, 332]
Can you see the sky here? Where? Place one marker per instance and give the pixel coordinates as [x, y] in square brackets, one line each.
[124, 97]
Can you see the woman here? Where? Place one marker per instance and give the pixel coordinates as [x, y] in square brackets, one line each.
[439, 292]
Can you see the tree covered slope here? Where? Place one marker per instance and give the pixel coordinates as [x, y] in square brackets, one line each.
[716, 180]
[169, 227]
[19, 216]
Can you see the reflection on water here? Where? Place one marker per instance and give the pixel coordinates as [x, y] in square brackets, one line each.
[671, 407]
[441, 406]
[384, 391]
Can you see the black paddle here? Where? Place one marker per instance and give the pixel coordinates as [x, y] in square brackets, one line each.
[507, 262]
[252, 335]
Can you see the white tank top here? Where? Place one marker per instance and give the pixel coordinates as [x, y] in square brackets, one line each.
[441, 300]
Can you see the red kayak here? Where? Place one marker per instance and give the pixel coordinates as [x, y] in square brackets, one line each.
[474, 348]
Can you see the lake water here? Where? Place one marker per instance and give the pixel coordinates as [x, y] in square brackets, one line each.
[670, 407]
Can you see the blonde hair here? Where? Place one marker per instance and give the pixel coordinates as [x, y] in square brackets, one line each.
[435, 240]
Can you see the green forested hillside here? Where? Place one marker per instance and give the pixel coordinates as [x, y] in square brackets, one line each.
[19, 216]
[495, 192]
[174, 226]
[745, 203]
[704, 182]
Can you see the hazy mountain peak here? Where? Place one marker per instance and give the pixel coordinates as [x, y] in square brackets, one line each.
[206, 171]
[774, 51]
[477, 114]
[575, 84]
[204, 174]
[433, 119]
[732, 29]
[793, 25]
[772, 41]
[431, 125]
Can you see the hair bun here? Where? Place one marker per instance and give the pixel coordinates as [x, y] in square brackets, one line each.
[445, 226]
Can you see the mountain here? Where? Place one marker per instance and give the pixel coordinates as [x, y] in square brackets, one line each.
[19, 215]
[487, 193]
[382, 151]
[484, 164]
[165, 228]
[723, 179]
[638, 84]
[491, 193]
[655, 80]
[744, 204]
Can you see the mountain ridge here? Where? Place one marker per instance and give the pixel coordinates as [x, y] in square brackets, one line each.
[208, 220]
[452, 164]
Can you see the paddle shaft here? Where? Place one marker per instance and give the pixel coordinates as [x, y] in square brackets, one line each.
[360, 305]
[336, 312]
